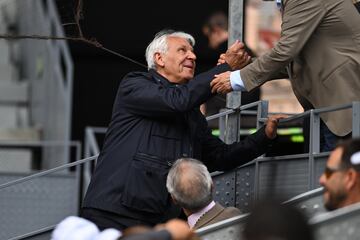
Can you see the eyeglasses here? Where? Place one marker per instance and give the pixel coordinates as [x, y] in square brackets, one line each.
[329, 171]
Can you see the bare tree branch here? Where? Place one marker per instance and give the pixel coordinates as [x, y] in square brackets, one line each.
[92, 42]
[77, 16]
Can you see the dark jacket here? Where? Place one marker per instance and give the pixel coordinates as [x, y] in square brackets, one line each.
[155, 122]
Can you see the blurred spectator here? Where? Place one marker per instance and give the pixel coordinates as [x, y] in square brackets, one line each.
[341, 178]
[77, 228]
[191, 187]
[269, 220]
[215, 28]
[138, 229]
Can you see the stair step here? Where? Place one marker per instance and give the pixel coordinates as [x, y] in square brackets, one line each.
[14, 92]
[9, 11]
[19, 134]
[4, 49]
[15, 160]
[8, 71]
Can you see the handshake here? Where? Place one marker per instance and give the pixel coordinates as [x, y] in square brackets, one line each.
[237, 58]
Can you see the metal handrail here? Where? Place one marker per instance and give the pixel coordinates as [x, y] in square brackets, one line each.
[308, 112]
[95, 149]
[24, 143]
[34, 233]
[47, 172]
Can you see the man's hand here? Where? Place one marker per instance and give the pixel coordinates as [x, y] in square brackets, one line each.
[178, 229]
[221, 83]
[236, 56]
[272, 124]
[221, 59]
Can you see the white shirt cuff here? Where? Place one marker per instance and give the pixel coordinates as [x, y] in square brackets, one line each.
[236, 82]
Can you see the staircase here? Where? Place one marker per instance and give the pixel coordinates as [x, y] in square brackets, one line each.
[35, 114]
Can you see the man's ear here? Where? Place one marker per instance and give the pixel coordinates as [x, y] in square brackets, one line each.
[351, 177]
[159, 59]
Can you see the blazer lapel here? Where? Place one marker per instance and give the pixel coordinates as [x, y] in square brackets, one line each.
[209, 215]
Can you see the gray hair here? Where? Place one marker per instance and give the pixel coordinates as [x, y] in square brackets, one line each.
[159, 44]
[190, 184]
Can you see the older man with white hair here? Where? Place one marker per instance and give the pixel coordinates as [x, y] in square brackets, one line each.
[156, 120]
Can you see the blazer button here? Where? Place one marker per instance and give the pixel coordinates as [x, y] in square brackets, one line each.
[169, 163]
[185, 155]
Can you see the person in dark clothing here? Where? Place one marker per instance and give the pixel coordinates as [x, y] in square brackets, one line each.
[215, 28]
[156, 120]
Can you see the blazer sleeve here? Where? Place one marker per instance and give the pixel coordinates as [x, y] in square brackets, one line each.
[148, 98]
[299, 21]
[219, 156]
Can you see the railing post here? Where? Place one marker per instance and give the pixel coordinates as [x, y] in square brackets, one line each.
[236, 20]
[262, 112]
[314, 132]
[222, 125]
[355, 119]
[233, 99]
[232, 130]
[78, 175]
[87, 166]
[314, 143]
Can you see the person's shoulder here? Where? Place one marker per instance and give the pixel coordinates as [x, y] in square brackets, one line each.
[233, 210]
[137, 74]
[135, 77]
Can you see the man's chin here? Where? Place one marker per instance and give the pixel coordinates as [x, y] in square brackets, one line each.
[326, 201]
[330, 207]
[189, 77]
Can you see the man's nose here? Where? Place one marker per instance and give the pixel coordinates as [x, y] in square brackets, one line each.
[191, 55]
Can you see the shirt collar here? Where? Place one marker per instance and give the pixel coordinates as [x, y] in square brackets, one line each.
[193, 218]
[159, 78]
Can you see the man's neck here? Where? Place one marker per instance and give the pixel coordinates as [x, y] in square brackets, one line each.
[353, 197]
[188, 212]
[194, 216]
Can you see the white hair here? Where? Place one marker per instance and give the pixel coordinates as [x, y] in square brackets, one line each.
[190, 184]
[159, 44]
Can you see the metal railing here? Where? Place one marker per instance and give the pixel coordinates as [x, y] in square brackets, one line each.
[44, 145]
[263, 175]
[5, 188]
[338, 224]
[92, 147]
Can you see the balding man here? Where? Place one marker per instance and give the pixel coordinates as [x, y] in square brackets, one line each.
[190, 186]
